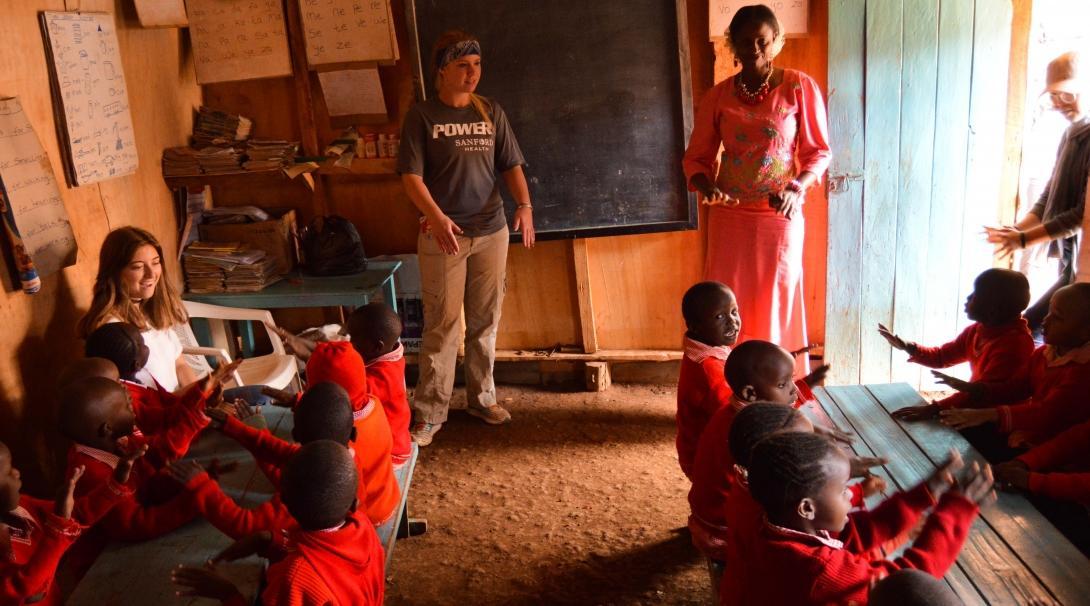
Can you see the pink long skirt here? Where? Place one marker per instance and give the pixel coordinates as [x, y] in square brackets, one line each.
[758, 254]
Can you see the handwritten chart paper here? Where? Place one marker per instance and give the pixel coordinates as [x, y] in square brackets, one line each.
[346, 31]
[90, 99]
[161, 13]
[34, 216]
[238, 39]
[353, 92]
[790, 13]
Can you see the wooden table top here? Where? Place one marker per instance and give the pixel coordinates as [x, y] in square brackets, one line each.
[298, 290]
[1013, 555]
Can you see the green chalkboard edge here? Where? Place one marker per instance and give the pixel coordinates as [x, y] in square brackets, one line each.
[685, 73]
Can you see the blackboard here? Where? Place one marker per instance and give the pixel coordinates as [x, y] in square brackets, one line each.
[598, 94]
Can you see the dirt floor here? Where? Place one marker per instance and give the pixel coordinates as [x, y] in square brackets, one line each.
[579, 500]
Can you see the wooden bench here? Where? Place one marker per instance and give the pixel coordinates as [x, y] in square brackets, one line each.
[139, 573]
[1013, 555]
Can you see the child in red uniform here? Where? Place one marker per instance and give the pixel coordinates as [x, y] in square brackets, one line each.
[337, 362]
[712, 324]
[97, 416]
[811, 551]
[171, 421]
[1056, 475]
[376, 330]
[333, 555]
[754, 371]
[996, 345]
[1057, 379]
[323, 413]
[34, 533]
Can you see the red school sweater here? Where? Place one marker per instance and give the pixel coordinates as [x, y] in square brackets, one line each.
[37, 544]
[230, 518]
[791, 568]
[386, 381]
[1060, 468]
[340, 567]
[129, 519]
[994, 354]
[376, 499]
[702, 391]
[175, 420]
[1058, 388]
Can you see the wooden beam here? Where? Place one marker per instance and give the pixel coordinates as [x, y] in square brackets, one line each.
[304, 98]
[1016, 113]
[586, 302]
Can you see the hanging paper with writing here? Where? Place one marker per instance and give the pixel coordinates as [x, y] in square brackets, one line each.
[35, 220]
[348, 31]
[238, 39]
[90, 99]
[791, 14]
[161, 13]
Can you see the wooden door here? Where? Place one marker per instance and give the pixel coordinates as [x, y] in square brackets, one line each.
[917, 113]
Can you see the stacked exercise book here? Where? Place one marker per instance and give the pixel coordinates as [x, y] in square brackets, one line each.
[269, 155]
[227, 267]
[215, 127]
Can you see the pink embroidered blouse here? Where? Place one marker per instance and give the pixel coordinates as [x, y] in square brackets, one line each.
[761, 143]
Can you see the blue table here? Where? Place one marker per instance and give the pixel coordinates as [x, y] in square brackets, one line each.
[298, 290]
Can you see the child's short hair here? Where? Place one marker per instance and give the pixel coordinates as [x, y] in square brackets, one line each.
[319, 485]
[374, 322]
[1080, 290]
[695, 300]
[911, 587]
[323, 413]
[784, 468]
[745, 359]
[84, 405]
[118, 342]
[754, 423]
[85, 368]
[1009, 292]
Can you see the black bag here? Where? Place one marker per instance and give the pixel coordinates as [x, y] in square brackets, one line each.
[332, 247]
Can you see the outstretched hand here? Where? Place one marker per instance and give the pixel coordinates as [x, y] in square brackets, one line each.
[917, 413]
[66, 497]
[215, 379]
[279, 396]
[894, 341]
[944, 478]
[1007, 239]
[861, 466]
[295, 345]
[834, 433]
[976, 486]
[963, 418]
[975, 390]
[245, 547]
[184, 470]
[817, 377]
[203, 583]
[1012, 475]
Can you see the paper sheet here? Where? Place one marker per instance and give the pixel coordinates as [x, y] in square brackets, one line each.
[353, 92]
[34, 214]
[161, 13]
[238, 39]
[791, 14]
[347, 31]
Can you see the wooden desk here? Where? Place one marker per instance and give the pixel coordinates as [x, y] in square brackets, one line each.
[138, 574]
[1013, 554]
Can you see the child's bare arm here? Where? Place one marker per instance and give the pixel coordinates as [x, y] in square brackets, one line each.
[897, 342]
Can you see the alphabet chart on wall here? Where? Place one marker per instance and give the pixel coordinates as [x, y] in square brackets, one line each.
[34, 216]
[90, 99]
[238, 39]
[348, 31]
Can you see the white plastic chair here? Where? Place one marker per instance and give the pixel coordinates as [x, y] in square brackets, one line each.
[278, 369]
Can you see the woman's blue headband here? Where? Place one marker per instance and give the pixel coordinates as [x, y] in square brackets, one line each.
[457, 51]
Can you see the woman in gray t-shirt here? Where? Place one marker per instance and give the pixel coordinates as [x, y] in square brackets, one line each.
[453, 147]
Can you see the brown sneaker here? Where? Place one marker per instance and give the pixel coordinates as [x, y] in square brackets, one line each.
[493, 415]
[422, 433]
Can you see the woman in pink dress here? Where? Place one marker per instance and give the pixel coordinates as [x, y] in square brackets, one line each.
[772, 127]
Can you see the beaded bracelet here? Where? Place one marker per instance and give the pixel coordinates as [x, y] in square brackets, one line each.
[1022, 238]
[796, 186]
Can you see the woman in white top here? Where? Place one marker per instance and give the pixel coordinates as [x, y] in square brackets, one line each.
[132, 286]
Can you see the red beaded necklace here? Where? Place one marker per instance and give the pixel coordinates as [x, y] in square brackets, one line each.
[755, 97]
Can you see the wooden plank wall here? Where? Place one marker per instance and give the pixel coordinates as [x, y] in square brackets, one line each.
[39, 330]
[932, 146]
[636, 281]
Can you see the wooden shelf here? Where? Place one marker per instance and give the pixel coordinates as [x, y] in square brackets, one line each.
[366, 166]
[603, 355]
[362, 166]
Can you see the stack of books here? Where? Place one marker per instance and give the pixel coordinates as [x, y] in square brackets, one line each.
[180, 162]
[215, 160]
[270, 155]
[215, 127]
[227, 267]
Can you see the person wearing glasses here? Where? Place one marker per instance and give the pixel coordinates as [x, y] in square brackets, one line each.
[1057, 216]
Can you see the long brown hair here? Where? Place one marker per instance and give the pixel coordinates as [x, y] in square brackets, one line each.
[444, 41]
[162, 310]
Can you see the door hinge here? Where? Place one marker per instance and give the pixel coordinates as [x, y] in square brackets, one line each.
[838, 184]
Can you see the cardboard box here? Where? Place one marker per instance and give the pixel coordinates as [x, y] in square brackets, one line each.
[275, 236]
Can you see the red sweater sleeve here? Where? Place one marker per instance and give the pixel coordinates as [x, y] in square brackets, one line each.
[184, 422]
[1059, 405]
[1070, 447]
[131, 521]
[944, 356]
[292, 582]
[814, 153]
[260, 442]
[848, 573]
[18, 583]
[228, 517]
[892, 517]
[700, 155]
[1062, 486]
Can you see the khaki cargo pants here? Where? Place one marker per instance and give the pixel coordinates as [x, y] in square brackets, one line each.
[475, 277]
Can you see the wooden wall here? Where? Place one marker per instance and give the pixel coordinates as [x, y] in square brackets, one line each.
[636, 282]
[39, 330]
